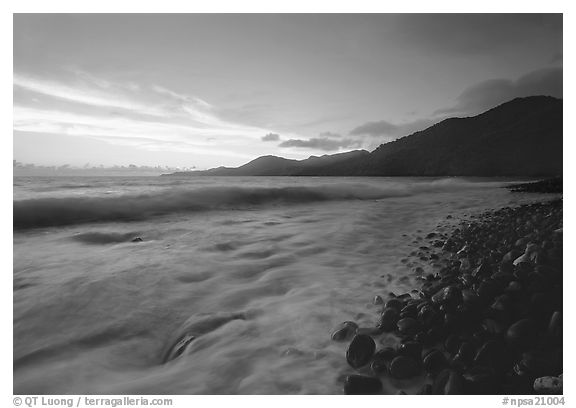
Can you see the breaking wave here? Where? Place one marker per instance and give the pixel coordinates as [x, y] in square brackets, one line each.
[49, 212]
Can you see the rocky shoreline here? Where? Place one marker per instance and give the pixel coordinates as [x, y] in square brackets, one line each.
[488, 321]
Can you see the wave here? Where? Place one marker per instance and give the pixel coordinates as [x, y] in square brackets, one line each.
[49, 212]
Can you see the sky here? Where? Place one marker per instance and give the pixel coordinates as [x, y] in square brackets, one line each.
[208, 90]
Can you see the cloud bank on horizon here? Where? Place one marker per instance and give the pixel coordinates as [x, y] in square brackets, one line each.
[211, 90]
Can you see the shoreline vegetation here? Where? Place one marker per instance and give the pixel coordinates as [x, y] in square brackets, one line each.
[488, 321]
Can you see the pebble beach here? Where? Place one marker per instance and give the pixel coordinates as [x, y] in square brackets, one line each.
[487, 320]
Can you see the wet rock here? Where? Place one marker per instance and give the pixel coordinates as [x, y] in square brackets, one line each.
[435, 334]
[492, 354]
[386, 354]
[487, 290]
[511, 256]
[428, 316]
[378, 300]
[514, 288]
[137, 239]
[492, 327]
[410, 310]
[452, 344]
[450, 295]
[425, 390]
[360, 350]
[522, 334]
[344, 331]
[518, 384]
[381, 360]
[411, 349]
[389, 319]
[539, 363]
[179, 347]
[464, 356]
[471, 300]
[361, 385]
[403, 367]
[481, 381]
[548, 385]
[502, 303]
[409, 326]
[555, 325]
[394, 303]
[451, 320]
[434, 362]
[448, 382]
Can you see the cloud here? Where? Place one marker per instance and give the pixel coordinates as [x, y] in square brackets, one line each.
[384, 128]
[146, 117]
[271, 137]
[322, 143]
[487, 94]
[330, 135]
[477, 33]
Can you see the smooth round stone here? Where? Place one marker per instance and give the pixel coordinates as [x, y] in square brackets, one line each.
[388, 319]
[492, 327]
[404, 367]
[379, 366]
[522, 334]
[381, 360]
[386, 354]
[452, 343]
[422, 337]
[465, 354]
[481, 381]
[395, 303]
[539, 363]
[514, 287]
[411, 349]
[487, 290]
[434, 362]
[378, 300]
[450, 295]
[360, 350]
[361, 385]
[344, 331]
[493, 353]
[435, 334]
[502, 303]
[555, 325]
[428, 315]
[425, 390]
[548, 385]
[409, 326]
[448, 382]
[451, 320]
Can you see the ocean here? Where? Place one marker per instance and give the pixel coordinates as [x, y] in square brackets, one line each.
[111, 272]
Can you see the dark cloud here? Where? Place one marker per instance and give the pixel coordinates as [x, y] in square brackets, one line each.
[462, 34]
[271, 137]
[321, 143]
[383, 128]
[490, 93]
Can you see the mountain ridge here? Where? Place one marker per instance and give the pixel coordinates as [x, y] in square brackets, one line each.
[521, 137]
